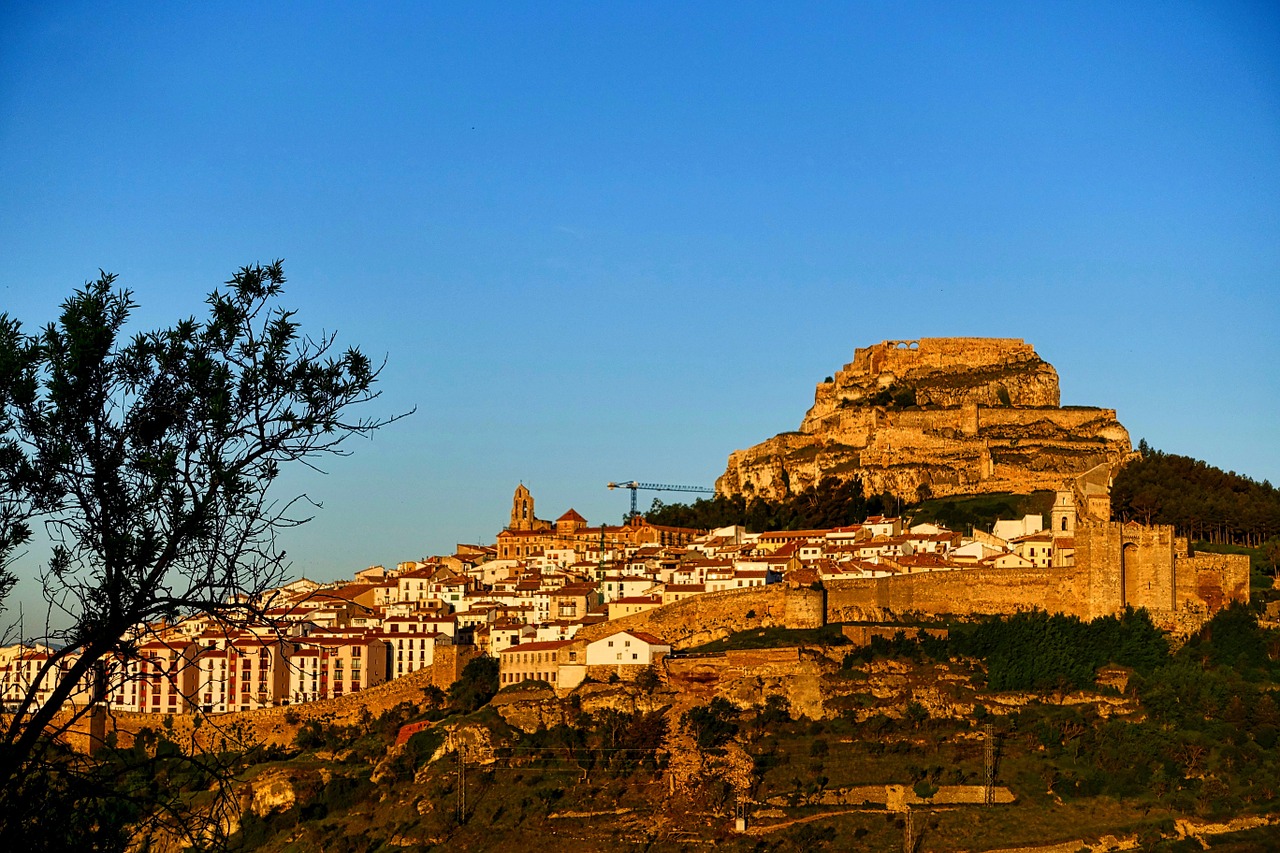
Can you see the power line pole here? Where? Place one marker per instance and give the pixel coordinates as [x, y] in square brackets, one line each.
[989, 788]
[908, 834]
[462, 783]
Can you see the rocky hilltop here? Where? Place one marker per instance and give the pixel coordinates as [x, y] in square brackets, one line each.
[937, 416]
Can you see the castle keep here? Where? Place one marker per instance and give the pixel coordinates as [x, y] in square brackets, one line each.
[935, 416]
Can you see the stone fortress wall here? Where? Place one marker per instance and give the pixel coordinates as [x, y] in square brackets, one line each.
[703, 618]
[1123, 565]
[1117, 565]
[1139, 572]
[948, 371]
[938, 353]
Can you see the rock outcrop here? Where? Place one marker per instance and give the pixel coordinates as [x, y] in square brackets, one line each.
[937, 416]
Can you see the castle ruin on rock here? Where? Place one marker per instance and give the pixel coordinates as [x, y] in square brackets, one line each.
[935, 417]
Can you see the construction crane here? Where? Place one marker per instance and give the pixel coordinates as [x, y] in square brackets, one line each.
[655, 487]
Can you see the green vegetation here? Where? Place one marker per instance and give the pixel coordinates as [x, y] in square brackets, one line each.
[1193, 735]
[838, 503]
[713, 725]
[475, 686]
[1034, 651]
[599, 761]
[964, 513]
[1210, 709]
[1199, 500]
[181, 432]
[894, 397]
[769, 638]
[831, 503]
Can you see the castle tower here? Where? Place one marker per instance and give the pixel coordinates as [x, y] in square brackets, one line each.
[522, 516]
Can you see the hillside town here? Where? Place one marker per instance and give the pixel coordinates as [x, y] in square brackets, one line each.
[522, 600]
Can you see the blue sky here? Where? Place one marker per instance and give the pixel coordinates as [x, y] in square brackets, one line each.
[606, 241]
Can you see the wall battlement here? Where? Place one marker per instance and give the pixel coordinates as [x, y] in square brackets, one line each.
[937, 354]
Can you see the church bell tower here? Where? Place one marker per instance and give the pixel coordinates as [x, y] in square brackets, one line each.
[522, 509]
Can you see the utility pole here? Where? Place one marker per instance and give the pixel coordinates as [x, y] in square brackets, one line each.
[989, 790]
[462, 782]
[909, 833]
[600, 562]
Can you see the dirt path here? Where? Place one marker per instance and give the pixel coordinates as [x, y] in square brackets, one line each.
[774, 827]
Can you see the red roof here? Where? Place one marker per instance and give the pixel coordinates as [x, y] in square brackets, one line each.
[571, 515]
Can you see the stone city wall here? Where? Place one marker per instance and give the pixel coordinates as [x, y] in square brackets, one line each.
[702, 618]
[1211, 581]
[961, 593]
[1117, 565]
[1129, 565]
[805, 607]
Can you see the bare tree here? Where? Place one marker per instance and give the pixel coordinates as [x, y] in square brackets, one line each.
[149, 462]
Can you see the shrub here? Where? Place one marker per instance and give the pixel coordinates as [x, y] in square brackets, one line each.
[775, 711]
[648, 679]
[712, 725]
[475, 687]
[924, 789]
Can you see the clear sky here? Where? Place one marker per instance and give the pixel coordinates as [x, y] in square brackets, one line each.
[602, 241]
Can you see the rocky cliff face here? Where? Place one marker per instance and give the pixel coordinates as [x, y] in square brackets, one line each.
[937, 416]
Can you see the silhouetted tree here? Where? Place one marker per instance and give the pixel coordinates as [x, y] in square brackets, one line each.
[149, 460]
